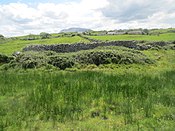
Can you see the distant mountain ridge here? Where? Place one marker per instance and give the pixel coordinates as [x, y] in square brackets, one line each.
[79, 30]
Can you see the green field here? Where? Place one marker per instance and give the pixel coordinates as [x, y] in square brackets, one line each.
[161, 37]
[87, 101]
[11, 46]
[162, 31]
[105, 89]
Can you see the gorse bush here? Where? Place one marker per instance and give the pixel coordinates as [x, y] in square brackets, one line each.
[61, 61]
[102, 55]
[5, 59]
[31, 60]
[98, 57]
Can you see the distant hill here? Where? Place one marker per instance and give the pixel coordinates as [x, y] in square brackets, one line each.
[79, 30]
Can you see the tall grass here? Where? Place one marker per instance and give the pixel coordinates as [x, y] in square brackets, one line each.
[62, 97]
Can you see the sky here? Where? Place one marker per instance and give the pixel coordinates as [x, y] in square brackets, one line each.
[21, 17]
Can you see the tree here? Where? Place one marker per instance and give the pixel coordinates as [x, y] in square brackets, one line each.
[44, 35]
[31, 37]
[1, 36]
[146, 31]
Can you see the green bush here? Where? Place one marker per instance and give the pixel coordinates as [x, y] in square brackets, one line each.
[30, 60]
[115, 57]
[98, 56]
[5, 59]
[61, 61]
[44, 35]
[1, 36]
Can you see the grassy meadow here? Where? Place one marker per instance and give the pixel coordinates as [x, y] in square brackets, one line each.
[87, 100]
[161, 37]
[105, 96]
[10, 46]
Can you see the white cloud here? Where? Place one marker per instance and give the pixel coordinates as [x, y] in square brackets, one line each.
[141, 13]
[20, 18]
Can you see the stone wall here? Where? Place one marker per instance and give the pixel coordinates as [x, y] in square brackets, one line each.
[63, 48]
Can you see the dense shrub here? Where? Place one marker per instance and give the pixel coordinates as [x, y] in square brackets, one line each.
[61, 61]
[107, 57]
[44, 35]
[100, 55]
[1, 36]
[30, 60]
[5, 59]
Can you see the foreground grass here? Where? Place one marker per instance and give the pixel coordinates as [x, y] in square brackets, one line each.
[87, 100]
[161, 37]
[16, 45]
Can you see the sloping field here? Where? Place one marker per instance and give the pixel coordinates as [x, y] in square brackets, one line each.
[16, 45]
[161, 37]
